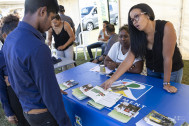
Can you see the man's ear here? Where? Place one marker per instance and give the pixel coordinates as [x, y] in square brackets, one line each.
[4, 35]
[42, 11]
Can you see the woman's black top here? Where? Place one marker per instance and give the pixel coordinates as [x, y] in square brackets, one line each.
[61, 38]
[154, 57]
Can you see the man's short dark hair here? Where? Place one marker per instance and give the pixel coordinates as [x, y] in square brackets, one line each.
[106, 22]
[10, 22]
[31, 6]
[61, 8]
[110, 28]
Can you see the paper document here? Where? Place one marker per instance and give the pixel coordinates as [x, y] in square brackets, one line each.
[102, 96]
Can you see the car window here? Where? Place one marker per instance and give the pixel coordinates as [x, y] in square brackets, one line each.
[95, 11]
[86, 10]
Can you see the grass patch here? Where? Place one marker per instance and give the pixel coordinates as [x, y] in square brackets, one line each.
[81, 58]
[185, 79]
[3, 120]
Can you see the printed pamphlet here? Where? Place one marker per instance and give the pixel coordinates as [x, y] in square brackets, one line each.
[124, 111]
[156, 119]
[79, 94]
[95, 105]
[103, 97]
[127, 109]
[185, 124]
[68, 84]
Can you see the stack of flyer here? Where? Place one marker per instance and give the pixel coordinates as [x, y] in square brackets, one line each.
[95, 105]
[156, 119]
[78, 92]
[124, 111]
[68, 84]
[103, 97]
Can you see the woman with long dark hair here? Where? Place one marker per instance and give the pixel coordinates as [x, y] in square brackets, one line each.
[154, 40]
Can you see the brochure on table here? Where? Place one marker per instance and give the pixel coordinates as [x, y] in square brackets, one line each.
[185, 124]
[156, 119]
[124, 111]
[78, 92]
[95, 105]
[68, 84]
[130, 89]
[103, 97]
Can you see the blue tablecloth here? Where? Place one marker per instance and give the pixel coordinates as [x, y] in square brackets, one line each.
[172, 105]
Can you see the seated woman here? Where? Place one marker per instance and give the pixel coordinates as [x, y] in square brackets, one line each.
[118, 53]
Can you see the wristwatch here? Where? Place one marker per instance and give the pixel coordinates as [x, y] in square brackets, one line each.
[166, 83]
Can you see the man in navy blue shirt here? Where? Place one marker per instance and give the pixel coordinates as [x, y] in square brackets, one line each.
[30, 67]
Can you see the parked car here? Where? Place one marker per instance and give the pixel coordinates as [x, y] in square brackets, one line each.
[89, 17]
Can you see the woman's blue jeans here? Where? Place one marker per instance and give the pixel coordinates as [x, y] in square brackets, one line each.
[175, 76]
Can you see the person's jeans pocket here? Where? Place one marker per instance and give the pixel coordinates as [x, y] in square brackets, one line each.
[43, 119]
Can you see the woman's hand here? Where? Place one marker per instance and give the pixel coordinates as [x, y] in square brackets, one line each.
[107, 84]
[111, 65]
[170, 89]
[61, 47]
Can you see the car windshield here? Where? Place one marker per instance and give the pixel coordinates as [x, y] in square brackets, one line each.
[86, 10]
